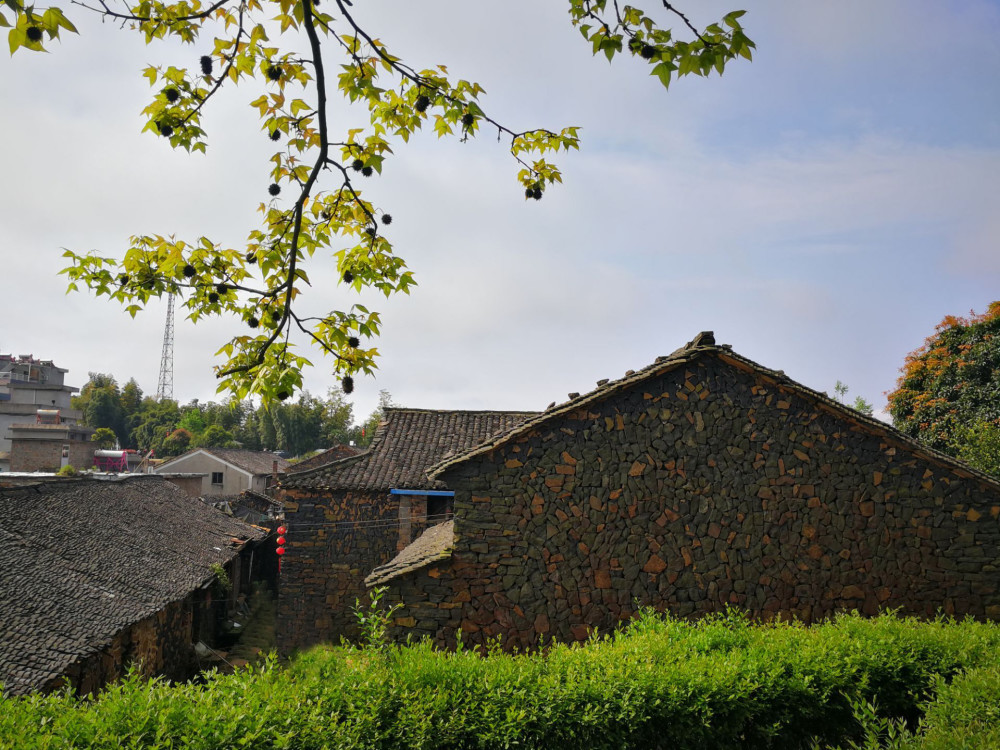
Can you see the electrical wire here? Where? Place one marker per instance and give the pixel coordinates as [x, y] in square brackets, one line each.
[370, 524]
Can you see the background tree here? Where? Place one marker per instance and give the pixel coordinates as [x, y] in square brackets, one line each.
[858, 404]
[176, 443]
[215, 436]
[948, 395]
[366, 431]
[298, 52]
[154, 423]
[100, 402]
[104, 437]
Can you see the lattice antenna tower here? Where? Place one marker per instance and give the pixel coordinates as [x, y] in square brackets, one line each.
[165, 385]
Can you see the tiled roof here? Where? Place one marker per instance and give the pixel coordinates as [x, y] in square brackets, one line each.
[408, 441]
[328, 456]
[436, 543]
[80, 561]
[248, 506]
[256, 462]
[704, 345]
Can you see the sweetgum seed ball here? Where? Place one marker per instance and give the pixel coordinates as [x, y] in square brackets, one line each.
[274, 188]
[33, 33]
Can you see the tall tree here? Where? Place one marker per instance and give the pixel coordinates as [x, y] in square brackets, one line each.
[315, 202]
[949, 390]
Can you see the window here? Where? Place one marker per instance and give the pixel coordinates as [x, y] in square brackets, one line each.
[216, 477]
[439, 509]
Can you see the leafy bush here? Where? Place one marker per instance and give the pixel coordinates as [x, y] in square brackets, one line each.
[721, 682]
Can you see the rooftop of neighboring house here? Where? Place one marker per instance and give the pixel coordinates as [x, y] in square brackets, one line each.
[253, 462]
[323, 458]
[248, 506]
[82, 560]
[407, 443]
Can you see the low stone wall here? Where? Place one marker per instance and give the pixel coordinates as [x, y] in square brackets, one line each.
[707, 486]
[335, 539]
[160, 645]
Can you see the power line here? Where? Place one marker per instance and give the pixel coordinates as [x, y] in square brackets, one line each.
[378, 523]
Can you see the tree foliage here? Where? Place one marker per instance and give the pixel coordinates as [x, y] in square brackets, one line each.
[948, 395]
[293, 54]
[308, 424]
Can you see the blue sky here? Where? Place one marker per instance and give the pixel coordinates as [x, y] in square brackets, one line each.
[821, 208]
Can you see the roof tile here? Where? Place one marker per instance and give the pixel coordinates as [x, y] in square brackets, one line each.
[408, 441]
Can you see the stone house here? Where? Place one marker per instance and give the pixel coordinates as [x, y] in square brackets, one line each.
[702, 481]
[227, 471]
[349, 517]
[97, 575]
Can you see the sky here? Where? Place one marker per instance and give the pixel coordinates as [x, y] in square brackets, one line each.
[821, 208]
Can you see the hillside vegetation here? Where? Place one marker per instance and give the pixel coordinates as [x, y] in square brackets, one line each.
[661, 683]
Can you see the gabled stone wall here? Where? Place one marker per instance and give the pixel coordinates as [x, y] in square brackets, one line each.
[335, 539]
[707, 486]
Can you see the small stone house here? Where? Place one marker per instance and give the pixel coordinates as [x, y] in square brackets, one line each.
[701, 481]
[227, 471]
[98, 575]
[351, 516]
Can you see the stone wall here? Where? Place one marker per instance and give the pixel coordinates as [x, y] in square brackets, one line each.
[46, 455]
[160, 645]
[707, 486]
[335, 539]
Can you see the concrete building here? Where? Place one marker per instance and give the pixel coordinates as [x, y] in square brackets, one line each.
[33, 392]
[227, 471]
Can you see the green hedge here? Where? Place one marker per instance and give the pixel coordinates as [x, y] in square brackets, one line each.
[717, 683]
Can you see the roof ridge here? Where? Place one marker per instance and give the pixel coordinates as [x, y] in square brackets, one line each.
[414, 410]
[704, 343]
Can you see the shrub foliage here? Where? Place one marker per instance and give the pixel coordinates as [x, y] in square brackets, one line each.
[721, 682]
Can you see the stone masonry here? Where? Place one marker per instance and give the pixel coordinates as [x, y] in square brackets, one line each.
[700, 482]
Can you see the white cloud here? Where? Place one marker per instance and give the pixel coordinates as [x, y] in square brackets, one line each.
[755, 205]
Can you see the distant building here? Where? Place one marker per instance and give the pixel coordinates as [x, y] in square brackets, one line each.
[34, 397]
[227, 471]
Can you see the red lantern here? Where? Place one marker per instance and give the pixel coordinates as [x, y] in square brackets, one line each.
[280, 551]
[282, 530]
[281, 540]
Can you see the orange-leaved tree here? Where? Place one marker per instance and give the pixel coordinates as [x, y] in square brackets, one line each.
[948, 395]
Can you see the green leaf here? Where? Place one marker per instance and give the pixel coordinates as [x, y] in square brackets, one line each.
[16, 38]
